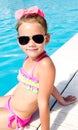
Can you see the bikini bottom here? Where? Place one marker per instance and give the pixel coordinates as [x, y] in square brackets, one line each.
[19, 122]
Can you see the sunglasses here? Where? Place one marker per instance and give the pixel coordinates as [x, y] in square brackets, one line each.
[23, 40]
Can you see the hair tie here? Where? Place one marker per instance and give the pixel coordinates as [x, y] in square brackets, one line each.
[32, 10]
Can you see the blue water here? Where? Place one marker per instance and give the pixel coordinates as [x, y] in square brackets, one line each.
[62, 18]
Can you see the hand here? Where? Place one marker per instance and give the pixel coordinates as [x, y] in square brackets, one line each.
[68, 100]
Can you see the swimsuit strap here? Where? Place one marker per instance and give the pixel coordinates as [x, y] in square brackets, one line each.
[39, 58]
[11, 119]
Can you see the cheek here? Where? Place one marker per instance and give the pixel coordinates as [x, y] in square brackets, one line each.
[42, 46]
[22, 47]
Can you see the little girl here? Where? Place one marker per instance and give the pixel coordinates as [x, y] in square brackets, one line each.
[36, 77]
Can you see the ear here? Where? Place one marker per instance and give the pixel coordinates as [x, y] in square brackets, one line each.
[47, 38]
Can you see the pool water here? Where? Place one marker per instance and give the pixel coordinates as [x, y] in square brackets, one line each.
[62, 18]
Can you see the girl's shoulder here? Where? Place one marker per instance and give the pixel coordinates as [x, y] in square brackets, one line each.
[46, 63]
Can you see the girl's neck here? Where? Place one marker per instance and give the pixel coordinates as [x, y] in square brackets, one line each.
[36, 58]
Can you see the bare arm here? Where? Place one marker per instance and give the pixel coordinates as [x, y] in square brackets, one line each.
[44, 114]
[63, 100]
[46, 81]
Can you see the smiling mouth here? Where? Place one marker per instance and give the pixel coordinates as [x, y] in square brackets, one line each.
[32, 49]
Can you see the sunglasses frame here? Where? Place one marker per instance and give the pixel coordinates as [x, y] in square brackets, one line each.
[34, 38]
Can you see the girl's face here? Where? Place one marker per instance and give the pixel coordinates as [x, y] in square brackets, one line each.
[32, 49]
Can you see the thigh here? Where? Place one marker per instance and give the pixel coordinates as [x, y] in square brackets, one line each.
[3, 100]
[4, 115]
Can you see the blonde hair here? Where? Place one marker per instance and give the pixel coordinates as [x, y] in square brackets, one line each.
[33, 18]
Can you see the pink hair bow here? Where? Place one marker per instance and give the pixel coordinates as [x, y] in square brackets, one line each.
[33, 10]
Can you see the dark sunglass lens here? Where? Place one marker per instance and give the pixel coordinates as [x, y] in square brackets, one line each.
[23, 40]
[38, 38]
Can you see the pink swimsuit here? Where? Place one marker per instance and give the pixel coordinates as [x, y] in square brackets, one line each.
[19, 122]
[30, 83]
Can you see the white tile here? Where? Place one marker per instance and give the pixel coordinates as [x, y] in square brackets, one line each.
[27, 128]
[64, 119]
[59, 127]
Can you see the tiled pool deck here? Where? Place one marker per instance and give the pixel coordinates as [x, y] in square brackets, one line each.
[66, 62]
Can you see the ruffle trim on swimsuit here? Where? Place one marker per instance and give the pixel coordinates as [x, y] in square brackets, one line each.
[28, 83]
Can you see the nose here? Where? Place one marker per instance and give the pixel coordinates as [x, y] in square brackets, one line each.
[31, 42]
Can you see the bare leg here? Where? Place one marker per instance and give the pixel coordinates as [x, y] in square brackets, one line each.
[6, 129]
[4, 115]
[63, 100]
[3, 100]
